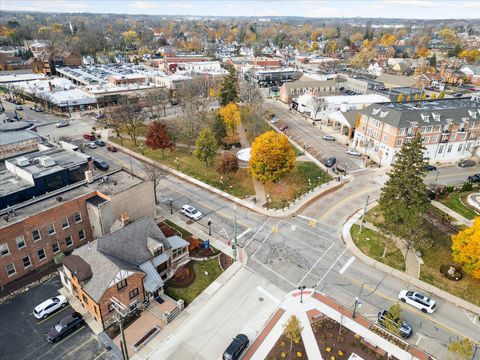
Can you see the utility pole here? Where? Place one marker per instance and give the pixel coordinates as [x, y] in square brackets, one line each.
[234, 232]
[363, 215]
[122, 311]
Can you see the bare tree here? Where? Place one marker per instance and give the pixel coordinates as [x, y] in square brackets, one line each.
[155, 175]
[131, 118]
[112, 120]
[316, 105]
[250, 94]
[157, 102]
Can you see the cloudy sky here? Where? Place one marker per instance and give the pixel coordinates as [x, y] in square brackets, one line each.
[419, 9]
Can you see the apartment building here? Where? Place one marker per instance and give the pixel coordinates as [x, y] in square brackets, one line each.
[449, 129]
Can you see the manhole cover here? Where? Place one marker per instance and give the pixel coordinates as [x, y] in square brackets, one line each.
[280, 259]
[260, 299]
[270, 261]
[280, 250]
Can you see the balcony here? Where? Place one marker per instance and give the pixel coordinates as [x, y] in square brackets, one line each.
[445, 131]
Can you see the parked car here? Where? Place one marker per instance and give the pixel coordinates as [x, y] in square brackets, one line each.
[328, 138]
[37, 109]
[353, 152]
[474, 178]
[458, 94]
[19, 107]
[274, 119]
[466, 163]
[89, 137]
[100, 164]
[112, 148]
[236, 348]
[65, 327]
[100, 142]
[49, 306]
[62, 123]
[430, 168]
[92, 145]
[330, 162]
[421, 302]
[283, 128]
[191, 212]
[405, 329]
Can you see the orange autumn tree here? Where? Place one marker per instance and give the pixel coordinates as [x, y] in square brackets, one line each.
[466, 249]
[271, 157]
[230, 113]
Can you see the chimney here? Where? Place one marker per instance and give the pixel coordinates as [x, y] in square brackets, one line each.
[89, 176]
[124, 218]
[50, 86]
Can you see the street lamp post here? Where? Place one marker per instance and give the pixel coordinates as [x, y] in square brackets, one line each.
[171, 206]
[301, 288]
[221, 182]
[355, 307]
[209, 227]
[436, 177]
[268, 198]
[142, 149]
[177, 162]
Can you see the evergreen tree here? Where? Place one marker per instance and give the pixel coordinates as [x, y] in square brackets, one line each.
[229, 91]
[433, 60]
[219, 129]
[403, 199]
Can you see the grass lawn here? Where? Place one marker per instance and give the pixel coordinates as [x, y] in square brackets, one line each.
[295, 184]
[240, 184]
[454, 202]
[201, 282]
[375, 246]
[184, 234]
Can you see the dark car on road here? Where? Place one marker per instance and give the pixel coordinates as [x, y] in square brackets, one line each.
[236, 347]
[466, 163]
[283, 128]
[330, 162]
[404, 328]
[65, 327]
[474, 178]
[112, 148]
[430, 168]
[100, 142]
[100, 164]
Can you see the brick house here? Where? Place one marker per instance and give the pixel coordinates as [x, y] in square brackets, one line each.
[128, 265]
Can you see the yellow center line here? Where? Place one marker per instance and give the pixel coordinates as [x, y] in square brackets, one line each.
[69, 336]
[52, 315]
[77, 348]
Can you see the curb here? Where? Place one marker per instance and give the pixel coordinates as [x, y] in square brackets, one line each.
[347, 239]
[307, 198]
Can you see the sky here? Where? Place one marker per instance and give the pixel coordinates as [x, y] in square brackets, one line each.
[417, 9]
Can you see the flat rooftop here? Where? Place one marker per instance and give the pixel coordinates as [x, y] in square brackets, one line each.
[117, 182]
[12, 137]
[432, 105]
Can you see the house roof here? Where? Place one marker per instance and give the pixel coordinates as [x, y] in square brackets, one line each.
[306, 82]
[78, 267]
[396, 80]
[131, 243]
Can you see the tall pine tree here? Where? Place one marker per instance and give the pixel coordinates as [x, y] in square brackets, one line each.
[229, 91]
[403, 199]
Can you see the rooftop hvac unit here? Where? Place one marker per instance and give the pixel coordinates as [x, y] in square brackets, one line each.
[23, 161]
[46, 161]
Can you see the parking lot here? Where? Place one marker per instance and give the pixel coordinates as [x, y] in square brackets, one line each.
[23, 336]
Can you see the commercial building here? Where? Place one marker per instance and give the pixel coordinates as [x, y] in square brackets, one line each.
[449, 129]
[36, 231]
[306, 85]
[271, 76]
[126, 266]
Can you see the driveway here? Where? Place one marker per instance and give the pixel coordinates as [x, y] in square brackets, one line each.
[22, 335]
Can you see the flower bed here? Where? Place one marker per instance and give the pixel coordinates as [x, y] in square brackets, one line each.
[281, 350]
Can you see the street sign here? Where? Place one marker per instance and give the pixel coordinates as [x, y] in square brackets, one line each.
[205, 244]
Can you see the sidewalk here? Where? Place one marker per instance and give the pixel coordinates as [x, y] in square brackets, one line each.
[347, 239]
[459, 218]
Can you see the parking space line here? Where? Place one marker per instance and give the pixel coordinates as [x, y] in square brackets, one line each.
[52, 315]
[347, 264]
[69, 336]
[64, 356]
[243, 234]
[104, 351]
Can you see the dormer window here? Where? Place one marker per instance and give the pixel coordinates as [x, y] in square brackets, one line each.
[383, 114]
[436, 117]
[375, 111]
[425, 118]
[472, 114]
[158, 250]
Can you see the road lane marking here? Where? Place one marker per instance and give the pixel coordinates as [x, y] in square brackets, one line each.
[273, 271]
[263, 242]
[306, 218]
[52, 315]
[267, 294]
[347, 264]
[104, 351]
[243, 234]
[472, 317]
[316, 263]
[329, 269]
[419, 338]
[253, 236]
[65, 355]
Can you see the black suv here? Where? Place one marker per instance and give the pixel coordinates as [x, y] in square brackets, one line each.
[64, 327]
[330, 162]
[404, 328]
[100, 164]
[236, 347]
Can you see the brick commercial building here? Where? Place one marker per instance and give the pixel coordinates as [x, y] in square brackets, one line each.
[33, 232]
[449, 129]
[126, 266]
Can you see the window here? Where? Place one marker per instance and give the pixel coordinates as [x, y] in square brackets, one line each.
[399, 142]
[460, 146]
[51, 229]
[449, 148]
[436, 128]
[385, 138]
[81, 235]
[468, 146]
[426, 139]
[65, 223]
[55, 247]
[440, 149]
[85, 300]
[402, 131]
[429, 129]
[179, 252]
[452, 137]
[69, 241]
[423, 130]
[111, 307]
[464, 136]
[435, 138]
[471, 136]
[20, 242]
[10, 269]
[26, 261]
[78, 217]
[122, 284]
[41, 254]
[4, 251]
[133, 293]
[36, 235]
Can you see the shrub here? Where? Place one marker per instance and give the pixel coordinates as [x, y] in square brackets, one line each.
[299, 354]
[328, 349]
[283, 355]
[467, 186]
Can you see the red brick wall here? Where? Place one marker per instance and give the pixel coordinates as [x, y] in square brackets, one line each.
[40, 221]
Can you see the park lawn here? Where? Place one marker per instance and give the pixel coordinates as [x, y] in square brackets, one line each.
[438, 254]
[239, 184]
[454, 202]
[295, 184]
[201, 282]
[375, 245]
